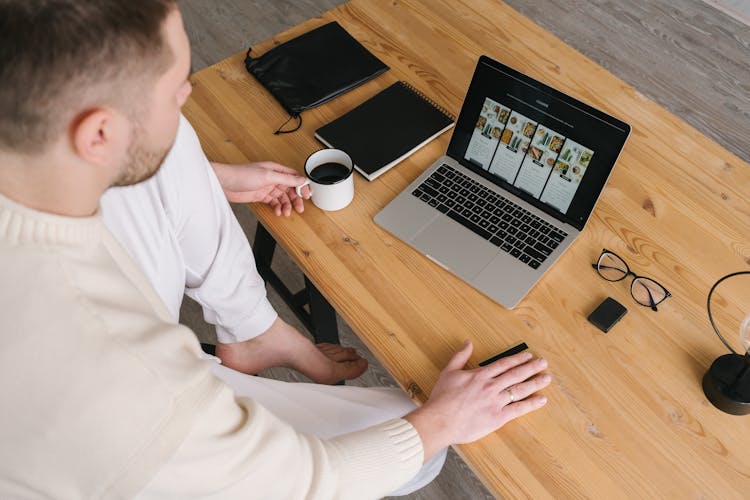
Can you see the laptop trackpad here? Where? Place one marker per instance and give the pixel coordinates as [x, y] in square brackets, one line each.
[460, 250]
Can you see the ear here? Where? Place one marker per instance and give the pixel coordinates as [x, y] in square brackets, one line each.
[97, 136]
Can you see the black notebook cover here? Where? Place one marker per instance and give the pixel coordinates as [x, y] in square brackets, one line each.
[314, 67]
[386, 128]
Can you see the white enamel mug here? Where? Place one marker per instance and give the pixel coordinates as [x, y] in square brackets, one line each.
[330, 176]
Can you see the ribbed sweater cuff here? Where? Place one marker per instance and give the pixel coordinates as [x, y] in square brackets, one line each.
[377, 460]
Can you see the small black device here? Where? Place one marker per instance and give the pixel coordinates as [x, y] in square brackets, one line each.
[607, 314]
[510, 352]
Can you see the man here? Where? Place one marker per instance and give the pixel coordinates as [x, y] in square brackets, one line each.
[181, 232]
[104, 394]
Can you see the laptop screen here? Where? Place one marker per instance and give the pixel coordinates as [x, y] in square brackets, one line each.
[551, 150]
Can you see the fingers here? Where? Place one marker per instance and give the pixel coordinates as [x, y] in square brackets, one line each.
[278, 167]
[280, 201]
[460, 358]
[286, 203]
[275, 204]
[523, 390]
[290, 200]
[517, 378]
[520, 408]
[520, 373]
[306, 193]
[502, 365]
[273, 177]
[297, 203]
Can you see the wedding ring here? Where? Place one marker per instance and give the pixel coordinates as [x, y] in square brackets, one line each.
[510, 393]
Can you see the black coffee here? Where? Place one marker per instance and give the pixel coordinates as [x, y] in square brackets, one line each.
[329, 173]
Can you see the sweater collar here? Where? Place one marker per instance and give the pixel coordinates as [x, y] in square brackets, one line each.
[20, 224]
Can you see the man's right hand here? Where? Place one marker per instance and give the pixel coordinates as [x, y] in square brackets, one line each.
[466, 405]
[264, 182]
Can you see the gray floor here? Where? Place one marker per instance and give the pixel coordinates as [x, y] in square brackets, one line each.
[690, 56]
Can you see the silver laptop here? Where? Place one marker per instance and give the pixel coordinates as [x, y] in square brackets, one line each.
[525, 166]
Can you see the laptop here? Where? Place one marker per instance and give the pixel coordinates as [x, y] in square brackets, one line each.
[524, 169]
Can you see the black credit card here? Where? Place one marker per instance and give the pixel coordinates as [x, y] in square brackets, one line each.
[510, 352]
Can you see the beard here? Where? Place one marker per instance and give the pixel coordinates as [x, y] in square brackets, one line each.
[141, 163]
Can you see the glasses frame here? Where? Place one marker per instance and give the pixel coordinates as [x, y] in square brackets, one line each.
[628, 272]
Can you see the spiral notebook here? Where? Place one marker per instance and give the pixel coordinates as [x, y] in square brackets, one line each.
[386, 129]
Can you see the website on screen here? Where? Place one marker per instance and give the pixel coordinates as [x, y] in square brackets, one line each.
[528, 154]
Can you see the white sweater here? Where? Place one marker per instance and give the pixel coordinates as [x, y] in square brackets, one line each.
[103, 394]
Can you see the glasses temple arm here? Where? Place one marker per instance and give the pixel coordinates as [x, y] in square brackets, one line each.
[650, 299]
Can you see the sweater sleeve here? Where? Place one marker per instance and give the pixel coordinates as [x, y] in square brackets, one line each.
[238, 449]
[220, 268]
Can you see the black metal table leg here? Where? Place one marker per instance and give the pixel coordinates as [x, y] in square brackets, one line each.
[263, 249]
[321, 318]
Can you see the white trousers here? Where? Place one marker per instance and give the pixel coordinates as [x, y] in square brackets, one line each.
[327, 411]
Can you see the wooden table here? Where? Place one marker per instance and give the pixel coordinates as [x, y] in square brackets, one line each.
[626, 414]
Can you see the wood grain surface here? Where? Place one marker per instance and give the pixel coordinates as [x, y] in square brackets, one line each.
[626, 416]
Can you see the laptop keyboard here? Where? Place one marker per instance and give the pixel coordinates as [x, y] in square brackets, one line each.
[498, 220]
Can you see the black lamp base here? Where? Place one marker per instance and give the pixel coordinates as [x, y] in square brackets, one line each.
[727, 384]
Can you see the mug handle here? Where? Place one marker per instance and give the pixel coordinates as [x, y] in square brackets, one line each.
[298, 189]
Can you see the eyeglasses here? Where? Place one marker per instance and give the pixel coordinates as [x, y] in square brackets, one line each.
[645, 291]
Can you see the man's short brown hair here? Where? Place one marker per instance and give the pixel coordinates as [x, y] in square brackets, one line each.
[59, 56]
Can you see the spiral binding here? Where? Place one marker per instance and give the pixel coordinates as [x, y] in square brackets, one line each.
[433, 103]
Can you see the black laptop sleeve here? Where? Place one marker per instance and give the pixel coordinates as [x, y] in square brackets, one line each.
[313, 68]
